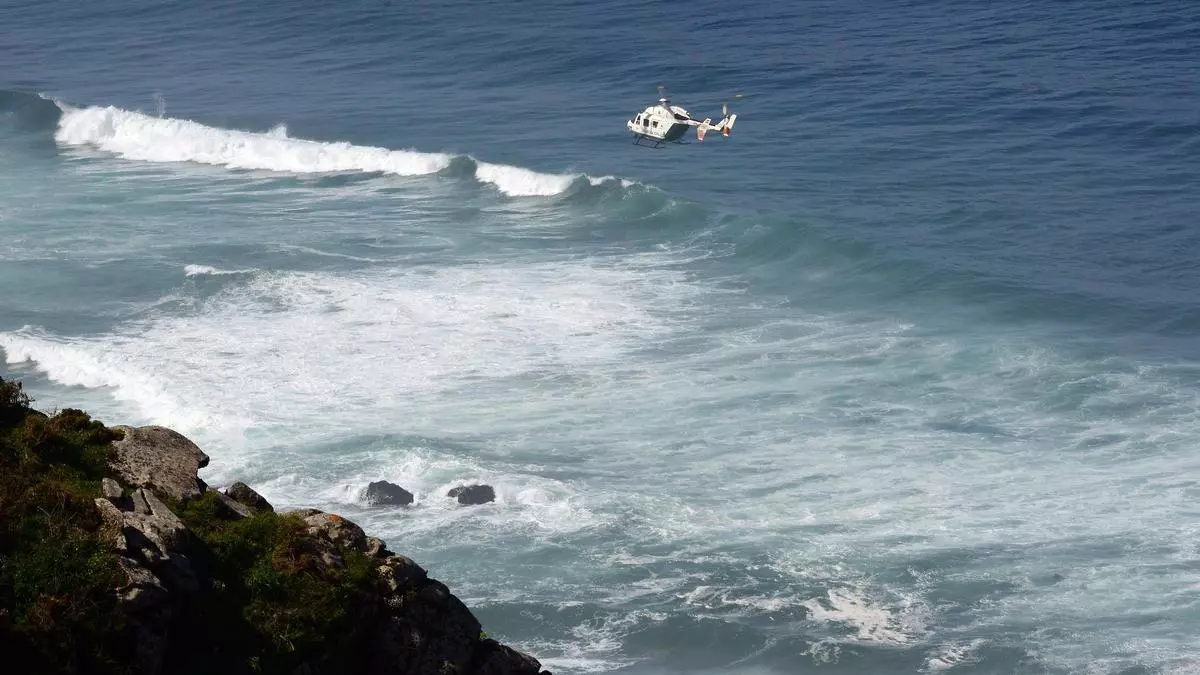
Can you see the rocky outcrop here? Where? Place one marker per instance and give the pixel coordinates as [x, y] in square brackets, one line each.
[241, 493]
[473, 494]
[159, 458]
[401, 621]
[383, 493]
[149, 541]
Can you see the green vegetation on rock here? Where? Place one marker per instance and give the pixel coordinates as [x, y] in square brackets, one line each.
[164, 575]
[269, 603]
[273, 596]
[57, 606]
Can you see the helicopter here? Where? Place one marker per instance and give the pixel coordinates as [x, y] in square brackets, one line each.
[664, 123]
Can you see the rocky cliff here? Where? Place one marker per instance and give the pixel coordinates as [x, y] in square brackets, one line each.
[116, 558]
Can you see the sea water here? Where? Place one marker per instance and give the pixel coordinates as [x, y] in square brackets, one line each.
[902, 376]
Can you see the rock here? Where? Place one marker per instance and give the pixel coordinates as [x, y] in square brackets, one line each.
[161, 458]
[165, 523]
[143, 547]
[112, 490]
[151, 532]
[383, 493]
[332, 560]
[338, 531]
[473, 494]
[112, 528]
[431, 633]
[376, 548]
[149, 606]
[138, 501]
[178, 575]
[243, 494]
[229, 508]
[142, 589]
[498, 659]
[405, 621]
[399, 572]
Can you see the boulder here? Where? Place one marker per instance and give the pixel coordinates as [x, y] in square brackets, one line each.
[383, 493]
[141, 590]
[500, 659]
[432, 632]
[399, 573]
[112, 525]
[338, 531]
[138, 501]
[150, 532]
[473, 494]
[148, 605]
[112, 490]
[377, 548]
[229, 507]
[158, 457]
[242, 493]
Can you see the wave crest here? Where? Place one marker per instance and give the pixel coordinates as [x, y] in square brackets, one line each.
[134, 135]
[138, 136]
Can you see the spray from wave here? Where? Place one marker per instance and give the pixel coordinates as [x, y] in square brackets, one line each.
[134, 135]
[206, 270]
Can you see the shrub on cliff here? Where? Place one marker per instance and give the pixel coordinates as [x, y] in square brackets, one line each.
[57, 607]
[95, 578]
[273, 601]
[269, 604]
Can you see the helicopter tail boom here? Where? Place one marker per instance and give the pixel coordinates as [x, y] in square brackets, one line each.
[724, 126]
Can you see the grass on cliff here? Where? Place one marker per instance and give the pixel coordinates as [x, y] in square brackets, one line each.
[57, 607]
[275, 603]
[267, 604]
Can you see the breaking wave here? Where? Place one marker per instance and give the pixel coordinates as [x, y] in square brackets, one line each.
[205, 270]
[138, 136]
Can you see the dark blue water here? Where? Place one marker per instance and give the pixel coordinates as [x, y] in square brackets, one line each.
[902, 376]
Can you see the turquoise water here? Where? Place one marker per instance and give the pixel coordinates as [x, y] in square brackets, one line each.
[900, 377]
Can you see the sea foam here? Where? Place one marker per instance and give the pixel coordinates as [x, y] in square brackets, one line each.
[138, 136]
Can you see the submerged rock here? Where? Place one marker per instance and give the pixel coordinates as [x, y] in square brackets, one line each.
[383, 493]
[473, 494]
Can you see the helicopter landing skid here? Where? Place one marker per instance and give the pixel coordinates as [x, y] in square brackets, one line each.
[653, 143]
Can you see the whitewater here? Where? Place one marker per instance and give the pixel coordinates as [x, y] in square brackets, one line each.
[898, 378]
[135, 135]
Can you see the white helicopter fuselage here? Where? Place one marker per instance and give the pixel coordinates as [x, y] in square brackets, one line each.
[666, 123]
[662, 122]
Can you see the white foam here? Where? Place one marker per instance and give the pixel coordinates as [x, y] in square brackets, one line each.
[517, 182]
[872, 623]
[205, 270]
[525, 503]
[948, 656]
[95, 364]
[321, 354]
[606, 179]
[595, 645]
[134, 135]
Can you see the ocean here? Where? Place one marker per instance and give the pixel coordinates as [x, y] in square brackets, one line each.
[903, 376]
